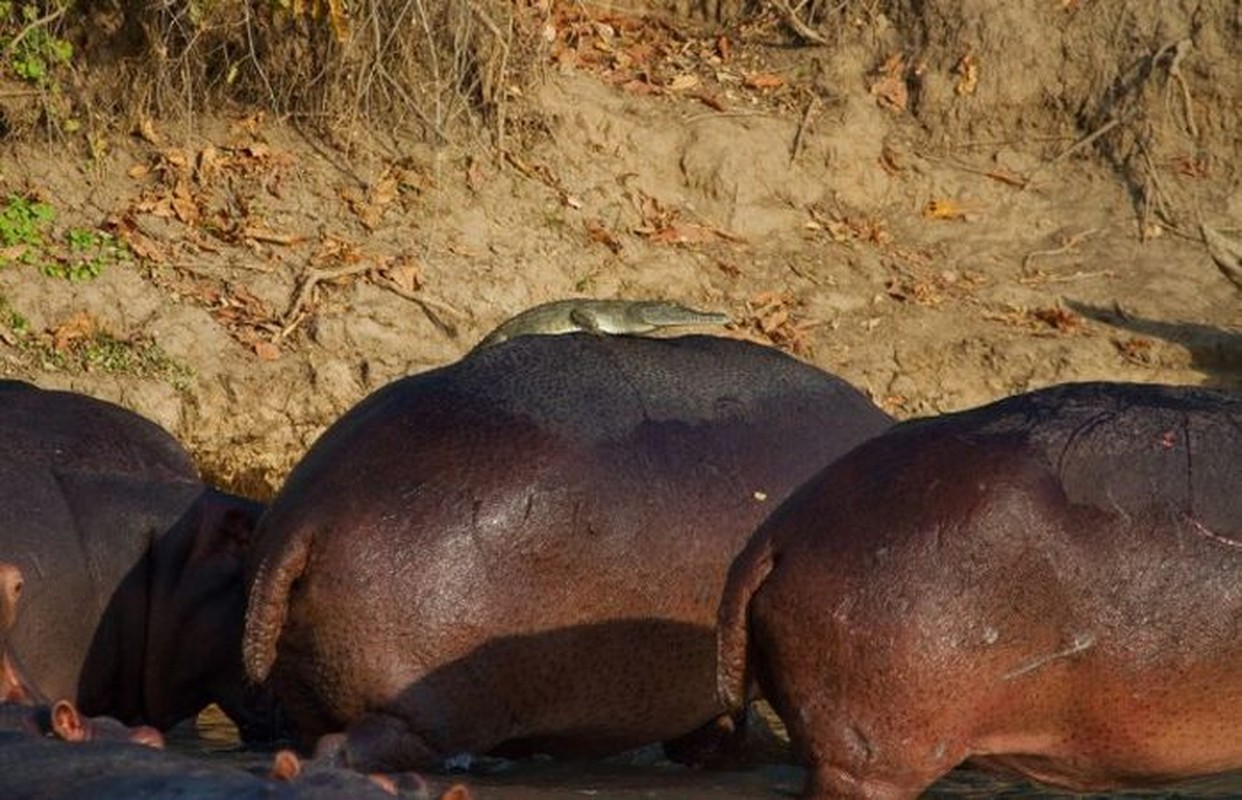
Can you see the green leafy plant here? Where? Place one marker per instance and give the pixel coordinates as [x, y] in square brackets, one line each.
[34, 52]
[12, 323]
[101, 351]
[88, 252]
[22, 225]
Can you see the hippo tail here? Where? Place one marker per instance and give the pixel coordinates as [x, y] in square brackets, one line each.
[268, 604]
[732, 630]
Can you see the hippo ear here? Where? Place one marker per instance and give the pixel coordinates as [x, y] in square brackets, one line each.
[67, 722]
[226, 524]
[286, 765]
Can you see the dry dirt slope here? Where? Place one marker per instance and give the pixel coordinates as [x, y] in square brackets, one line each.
[954, 202]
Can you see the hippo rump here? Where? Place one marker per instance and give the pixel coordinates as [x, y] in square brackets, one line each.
[523, 551]
[1051, 584]
[133, 601]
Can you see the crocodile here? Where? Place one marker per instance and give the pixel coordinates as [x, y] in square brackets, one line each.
[599, 317]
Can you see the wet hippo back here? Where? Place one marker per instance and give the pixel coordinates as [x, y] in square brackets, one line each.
[536, 537]
[1049, 583]
[1133, 447]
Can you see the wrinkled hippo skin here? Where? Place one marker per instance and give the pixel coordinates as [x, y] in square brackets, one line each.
[45, 769]
[133, 602]
[524, 551]
[1051, 584]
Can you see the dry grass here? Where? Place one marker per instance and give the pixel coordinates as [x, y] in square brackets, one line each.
[431, 69]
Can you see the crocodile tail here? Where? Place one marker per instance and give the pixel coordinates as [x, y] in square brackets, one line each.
[268, 603]
[746, 575]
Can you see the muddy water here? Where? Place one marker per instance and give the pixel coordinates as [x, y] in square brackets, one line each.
[644, 776]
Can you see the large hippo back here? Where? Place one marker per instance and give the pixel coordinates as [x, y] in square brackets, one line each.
[1178, 449]
[43, 429]
[553, 503]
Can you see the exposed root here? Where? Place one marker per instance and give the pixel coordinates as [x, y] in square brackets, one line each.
[804, 32]
[1070, 243]
[313, 276]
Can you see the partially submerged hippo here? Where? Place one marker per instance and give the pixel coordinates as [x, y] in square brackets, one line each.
[61, 720]
[45, 769]
[133, 596]
[1051, 584]
[19, 710]
[524, 551]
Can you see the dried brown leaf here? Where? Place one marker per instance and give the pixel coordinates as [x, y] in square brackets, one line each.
[598, 232]
[764, 80]
[77, 328]
[405, 272]
[946, 209]
[146, 130]
[476, 178]
[266, 351]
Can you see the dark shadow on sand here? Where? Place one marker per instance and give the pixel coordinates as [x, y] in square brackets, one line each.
[1215, 351]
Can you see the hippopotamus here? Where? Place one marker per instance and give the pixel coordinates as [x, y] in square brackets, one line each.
[522, 552]
[14, 686]
[46, 769]
[61, 720]
[1050, 584]
[18, 710]
[133, 596]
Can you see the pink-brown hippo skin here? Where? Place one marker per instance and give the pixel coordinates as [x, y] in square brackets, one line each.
[523, 552]
[133, 600]
[15, 687]
[1051, 585]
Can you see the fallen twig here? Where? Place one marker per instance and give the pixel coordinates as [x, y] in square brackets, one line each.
[427, 304]
[726, 115]
[311, 277]
[800, 136]
[1179, 50]
[1086, 140]
[997, 174]
[1156, 200]
[1070, 243]
[46, 19]
[1226, 252]
[800, 28]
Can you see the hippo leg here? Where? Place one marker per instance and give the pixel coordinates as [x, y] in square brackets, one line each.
[377, 742]
[851, 752]
[718, 743]
[864, 728]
